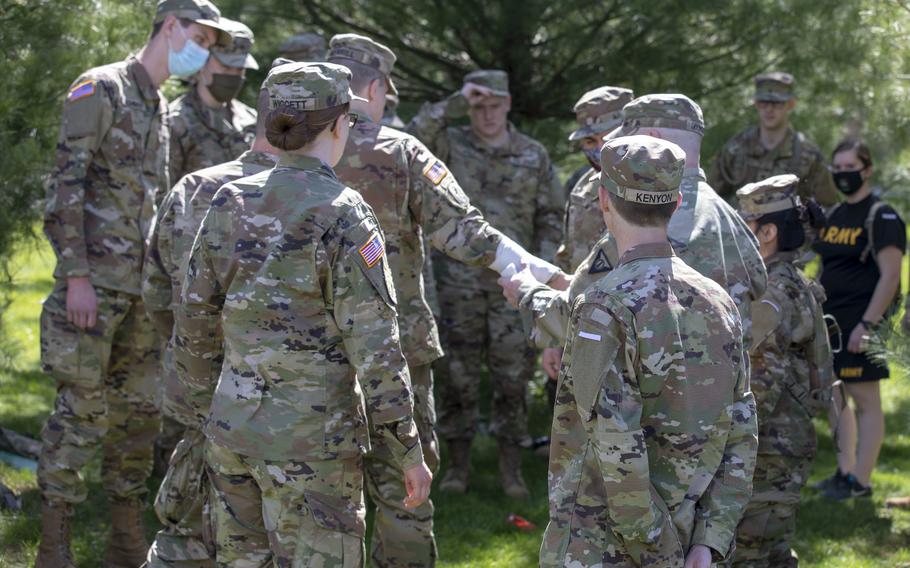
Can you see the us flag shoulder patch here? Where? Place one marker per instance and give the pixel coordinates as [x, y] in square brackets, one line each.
[435, 172]
[372, 250]
[80, 91]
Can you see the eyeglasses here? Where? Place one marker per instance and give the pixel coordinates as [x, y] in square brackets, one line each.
[352, 122]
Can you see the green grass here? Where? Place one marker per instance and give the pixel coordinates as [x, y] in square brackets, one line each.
[471, 530]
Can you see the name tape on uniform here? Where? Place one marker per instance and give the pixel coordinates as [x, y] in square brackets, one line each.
[591, 336]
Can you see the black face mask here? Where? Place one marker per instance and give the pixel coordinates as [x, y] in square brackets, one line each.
[848, 182]
[224, 87]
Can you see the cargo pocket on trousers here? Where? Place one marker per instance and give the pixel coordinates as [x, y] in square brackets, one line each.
[181, 490]
[68, 354]
[334, 531]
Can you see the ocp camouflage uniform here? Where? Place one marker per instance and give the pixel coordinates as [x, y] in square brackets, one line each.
[417, 202]
[202, 136]
[743, 159]
[516, 189]
[653, 441]
[705, 232]
[791, 379]
[597, 112]
[287, 285]
[111, 162]
[182, 495]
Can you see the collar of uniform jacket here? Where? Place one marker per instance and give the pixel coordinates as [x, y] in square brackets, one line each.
[366, 127]
[219, 119]
[690, 173]
[782, 150]
[515, 147]
[139, 74]
[647, 250]
[787, 257]
[298, 162]
[258, 158]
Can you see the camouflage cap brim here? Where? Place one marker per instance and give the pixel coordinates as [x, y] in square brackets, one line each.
[750, 211]
[393, 90]
[236, 60]
[772, 97]
[596, 129]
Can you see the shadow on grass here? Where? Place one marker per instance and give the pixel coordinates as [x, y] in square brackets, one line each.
[20, 532]
[861, 526]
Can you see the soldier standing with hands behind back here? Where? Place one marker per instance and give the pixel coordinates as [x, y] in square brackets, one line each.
[509, 177]
[96, 340]
[654, 431]
[772, 147]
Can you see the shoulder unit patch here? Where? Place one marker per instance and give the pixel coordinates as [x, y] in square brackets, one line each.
[80, 91]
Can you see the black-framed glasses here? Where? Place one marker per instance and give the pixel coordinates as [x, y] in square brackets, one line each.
[352, 120]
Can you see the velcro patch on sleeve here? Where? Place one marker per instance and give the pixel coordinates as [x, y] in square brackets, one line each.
[372, 250]
[591, 336]
[80, 91]
[435, 172]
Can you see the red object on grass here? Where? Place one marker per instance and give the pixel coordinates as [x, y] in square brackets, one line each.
[520, 522]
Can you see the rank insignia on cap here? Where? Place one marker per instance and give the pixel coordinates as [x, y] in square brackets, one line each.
[435, 172]
[372, 250]
[80, 91]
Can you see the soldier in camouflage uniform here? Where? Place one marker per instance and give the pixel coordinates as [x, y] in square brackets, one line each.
[654, 429]
[705, 231]
[289, 286]
[304, 47]
[509, 177]
[182, 496]
[208, 124]
[597, 112]
[390, 114]
[417, 202]
[792, 373]
[96, 341]
[772, 147]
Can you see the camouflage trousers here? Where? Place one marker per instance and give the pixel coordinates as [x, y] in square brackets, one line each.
[403, 537]
[478, 326]
[286, 514]
[769, 521]
[182, 507]
[106, 397]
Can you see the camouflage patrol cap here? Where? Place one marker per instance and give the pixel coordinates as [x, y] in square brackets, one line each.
[364, 50]
[661, 111]
[773, 87]
[494, 79]
[309, 86]
[777, 193]
[642, 169]
[599, 111]
[237, 52]
[304, 47]
[201, 12]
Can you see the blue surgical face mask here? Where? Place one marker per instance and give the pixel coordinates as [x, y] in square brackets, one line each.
[189, 60]
[593, 156]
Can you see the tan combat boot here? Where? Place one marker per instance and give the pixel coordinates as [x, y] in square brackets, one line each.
[54, 550]
[456, 478]
[510, 471]
[127, 547]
